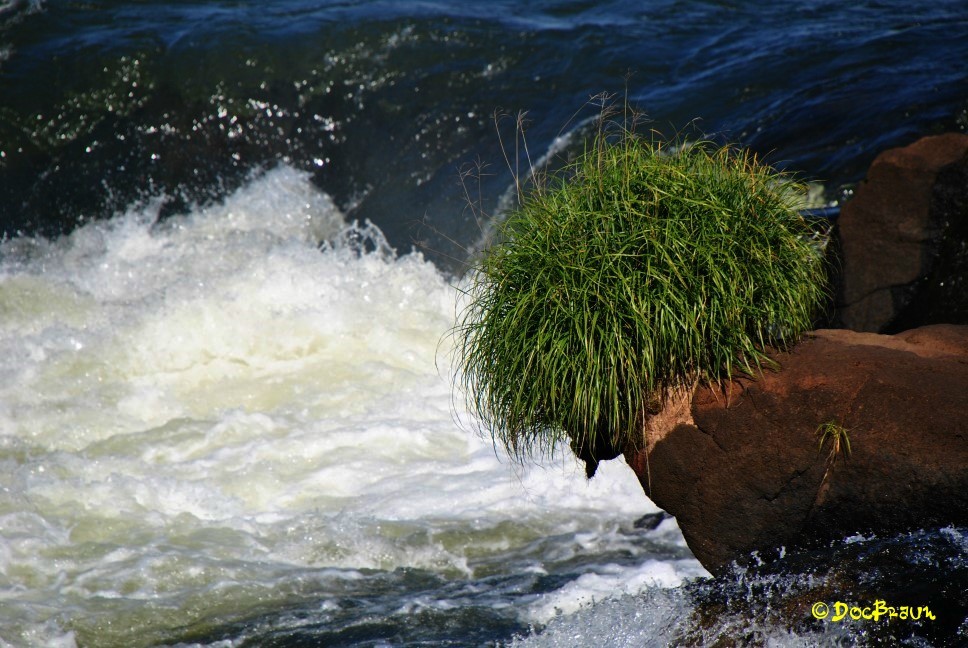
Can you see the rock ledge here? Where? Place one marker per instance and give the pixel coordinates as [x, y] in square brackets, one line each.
[742, 470]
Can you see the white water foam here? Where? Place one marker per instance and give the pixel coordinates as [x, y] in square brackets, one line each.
[201, 416]
[656, 618]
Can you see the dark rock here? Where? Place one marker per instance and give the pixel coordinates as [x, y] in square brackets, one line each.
[941, 296]
[600, 448]
[923, 570]
[651, 521]
[743, 467]
[911, 208]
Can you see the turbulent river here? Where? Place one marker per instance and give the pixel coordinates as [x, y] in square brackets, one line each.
[233, 237]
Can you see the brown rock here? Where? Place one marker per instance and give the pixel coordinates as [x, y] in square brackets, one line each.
[742, 469]
[941, 296]
[889, 230]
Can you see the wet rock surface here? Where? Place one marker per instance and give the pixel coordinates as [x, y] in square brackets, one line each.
[904, 239]
[747, 468]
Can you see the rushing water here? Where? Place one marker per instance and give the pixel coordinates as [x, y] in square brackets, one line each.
[211, 422]
[233, 237]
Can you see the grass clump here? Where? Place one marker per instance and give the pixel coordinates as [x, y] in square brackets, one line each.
[638, 268]
[839, 442]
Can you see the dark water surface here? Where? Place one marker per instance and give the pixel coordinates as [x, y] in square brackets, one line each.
[385, 102]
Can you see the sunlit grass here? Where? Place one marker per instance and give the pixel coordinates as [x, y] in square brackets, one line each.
[839, 441]
[638, 268]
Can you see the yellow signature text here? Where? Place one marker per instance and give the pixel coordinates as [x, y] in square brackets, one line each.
[879, 610]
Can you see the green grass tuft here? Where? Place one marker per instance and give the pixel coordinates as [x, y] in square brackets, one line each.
[839, 441]
[638, 268]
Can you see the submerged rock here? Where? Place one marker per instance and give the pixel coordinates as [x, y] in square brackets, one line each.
[903, 590]
[910, 587]
[746, 468]
[904, 239]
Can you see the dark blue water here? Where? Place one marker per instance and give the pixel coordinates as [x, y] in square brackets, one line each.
[103, 103]
[401, 112]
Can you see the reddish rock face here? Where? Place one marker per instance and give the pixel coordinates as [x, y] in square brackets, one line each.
[742, 469]
[889, 230]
